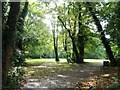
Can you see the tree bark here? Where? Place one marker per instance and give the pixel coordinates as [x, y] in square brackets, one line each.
[76, 56]
[66, 48]
[8, 39]
[55, 44]
[102, 35]
[80, 37]
[56, 53]
[65, 45]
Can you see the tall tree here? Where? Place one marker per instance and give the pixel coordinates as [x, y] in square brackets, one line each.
[75, 51]
[102, 35]
[65, 40]
[113, 26]
[8, 39]
[80, 35]
[55, 39]
[74, 10]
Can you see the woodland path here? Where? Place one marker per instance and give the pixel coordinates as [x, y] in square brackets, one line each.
[62, 78]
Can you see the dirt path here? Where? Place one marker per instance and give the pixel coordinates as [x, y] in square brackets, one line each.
[63, 79]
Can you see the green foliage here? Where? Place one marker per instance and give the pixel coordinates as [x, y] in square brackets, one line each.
[5, 10]
[114, 86]
[15, 77]
[37, 37]
[94, 49]
[113, 26]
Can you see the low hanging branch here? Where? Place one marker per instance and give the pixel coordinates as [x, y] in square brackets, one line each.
[62, 22]
[65, 27]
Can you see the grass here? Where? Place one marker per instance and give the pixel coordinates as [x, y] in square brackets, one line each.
[40, 68]
[36, 62]
[46, 67]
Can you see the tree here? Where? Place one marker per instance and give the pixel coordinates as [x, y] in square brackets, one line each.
[102, 35]
[65, 35]
[77, 41]
[80, 35]
[55, 39]
[113, 26]
[8, 39]
[37, 37]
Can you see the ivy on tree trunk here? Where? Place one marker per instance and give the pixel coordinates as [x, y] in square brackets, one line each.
[8, 39]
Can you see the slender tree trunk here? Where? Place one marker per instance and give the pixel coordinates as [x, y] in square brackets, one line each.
[102, 35]
[8, 39]
[56, 54]
[66, 48]
[65, 43]
[55, 44]
[56, 47]
[80, 37]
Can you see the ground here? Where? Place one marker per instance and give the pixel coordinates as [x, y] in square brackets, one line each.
[63, 75]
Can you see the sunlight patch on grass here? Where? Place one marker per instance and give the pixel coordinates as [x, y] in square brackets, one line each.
[41, 61]
[49, 70]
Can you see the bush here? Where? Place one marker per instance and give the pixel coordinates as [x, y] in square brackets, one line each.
[114, 86]
[15, 77]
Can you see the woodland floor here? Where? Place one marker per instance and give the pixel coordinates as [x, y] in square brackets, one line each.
[55, 76]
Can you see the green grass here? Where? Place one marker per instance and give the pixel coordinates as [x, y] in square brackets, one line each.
[41, 61]
[48, 67]
[36, 62]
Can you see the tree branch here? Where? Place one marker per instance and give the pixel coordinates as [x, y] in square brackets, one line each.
[65, 27]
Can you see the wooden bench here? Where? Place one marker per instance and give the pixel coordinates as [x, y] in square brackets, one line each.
[106, 64]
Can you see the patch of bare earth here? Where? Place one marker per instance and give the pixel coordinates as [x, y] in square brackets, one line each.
[84, 76]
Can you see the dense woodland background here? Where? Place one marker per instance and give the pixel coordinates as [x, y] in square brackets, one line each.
[75, 31]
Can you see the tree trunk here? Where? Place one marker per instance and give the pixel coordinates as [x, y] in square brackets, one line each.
[56, 53]
[66, 48]
[81, 47]
[55, 44]
[8, 39]
[102, 35]
[80, 37]
[76, 56]
[65, 45]
[65, 39]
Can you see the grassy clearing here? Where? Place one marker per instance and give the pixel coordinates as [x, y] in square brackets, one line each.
[41, 68]
[36, 62]
[42, 72]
